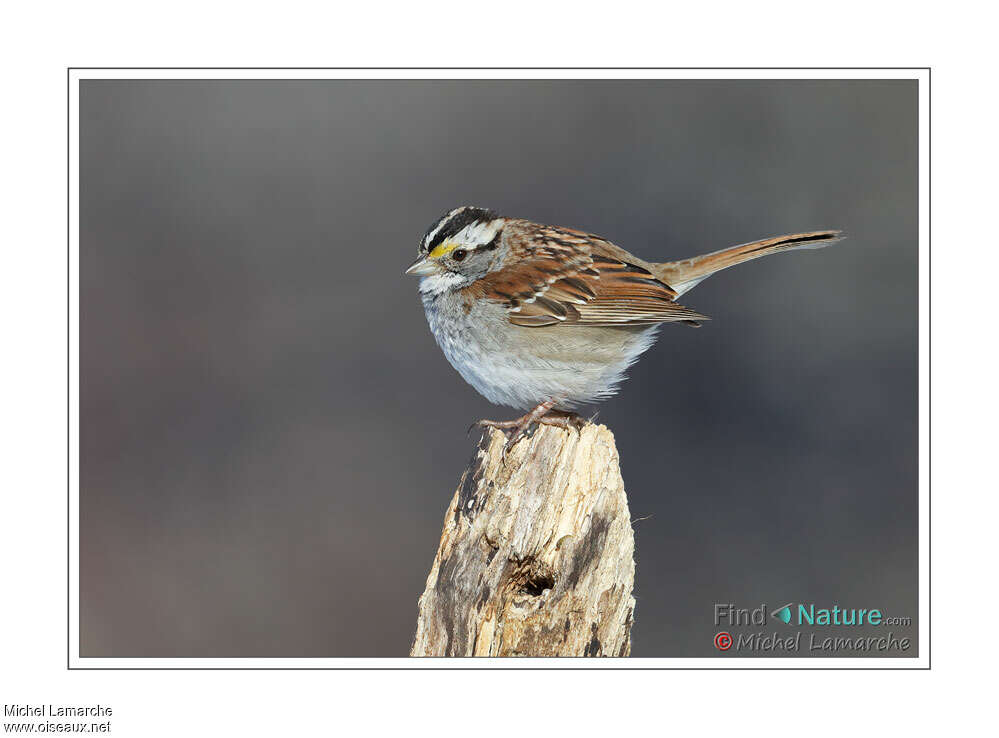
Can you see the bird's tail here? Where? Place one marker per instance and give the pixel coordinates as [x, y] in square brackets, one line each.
[685, 274]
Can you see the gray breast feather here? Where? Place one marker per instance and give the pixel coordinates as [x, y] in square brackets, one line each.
[523, 367]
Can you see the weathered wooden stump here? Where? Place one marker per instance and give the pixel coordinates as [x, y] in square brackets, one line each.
[536, 555]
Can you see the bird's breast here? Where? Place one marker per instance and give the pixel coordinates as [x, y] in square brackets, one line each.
[521, 367]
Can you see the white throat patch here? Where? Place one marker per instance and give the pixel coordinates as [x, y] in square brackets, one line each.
[436, 284]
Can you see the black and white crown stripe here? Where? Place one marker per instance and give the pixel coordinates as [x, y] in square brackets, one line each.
[453, 222]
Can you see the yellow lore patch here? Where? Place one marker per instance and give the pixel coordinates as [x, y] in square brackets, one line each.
[442, 249]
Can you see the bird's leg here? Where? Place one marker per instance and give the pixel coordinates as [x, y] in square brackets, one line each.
[520, 425]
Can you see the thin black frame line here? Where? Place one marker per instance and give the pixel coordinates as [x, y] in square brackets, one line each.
[929, 244]
[319, 80]
[497, 668]
[419, 69]
[69, 215]
[929, 366]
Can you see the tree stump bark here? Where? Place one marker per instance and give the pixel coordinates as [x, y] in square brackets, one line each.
[536, 555]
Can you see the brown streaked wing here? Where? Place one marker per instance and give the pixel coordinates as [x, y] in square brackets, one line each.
[629, 294]
[568, 277]
[640, 311]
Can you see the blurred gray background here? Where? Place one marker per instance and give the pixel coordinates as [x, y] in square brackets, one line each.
[270, 436]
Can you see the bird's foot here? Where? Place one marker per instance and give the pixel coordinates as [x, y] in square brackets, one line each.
[542, 414]
[563, 419]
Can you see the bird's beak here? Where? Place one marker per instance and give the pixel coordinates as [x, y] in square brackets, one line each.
[423, 268]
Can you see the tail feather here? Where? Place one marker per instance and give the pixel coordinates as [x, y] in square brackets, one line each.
[685, 274]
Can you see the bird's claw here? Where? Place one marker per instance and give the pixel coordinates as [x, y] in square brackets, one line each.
[513, 440]
[541, 414]
[501, 425]
[565, 420]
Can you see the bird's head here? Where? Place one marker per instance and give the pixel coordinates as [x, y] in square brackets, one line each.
[459, 248]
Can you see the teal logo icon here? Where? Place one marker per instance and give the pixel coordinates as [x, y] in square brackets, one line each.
[783, 613]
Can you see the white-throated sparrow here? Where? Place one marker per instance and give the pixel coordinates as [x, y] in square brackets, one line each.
[545, 319]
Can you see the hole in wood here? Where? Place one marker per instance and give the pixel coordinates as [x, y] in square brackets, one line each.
[536, 584]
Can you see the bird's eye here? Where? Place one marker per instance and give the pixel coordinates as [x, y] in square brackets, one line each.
[459, 254]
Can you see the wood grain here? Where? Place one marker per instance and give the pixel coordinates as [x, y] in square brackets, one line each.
[536, 557]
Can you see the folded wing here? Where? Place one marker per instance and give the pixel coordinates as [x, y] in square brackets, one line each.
[573, 278]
